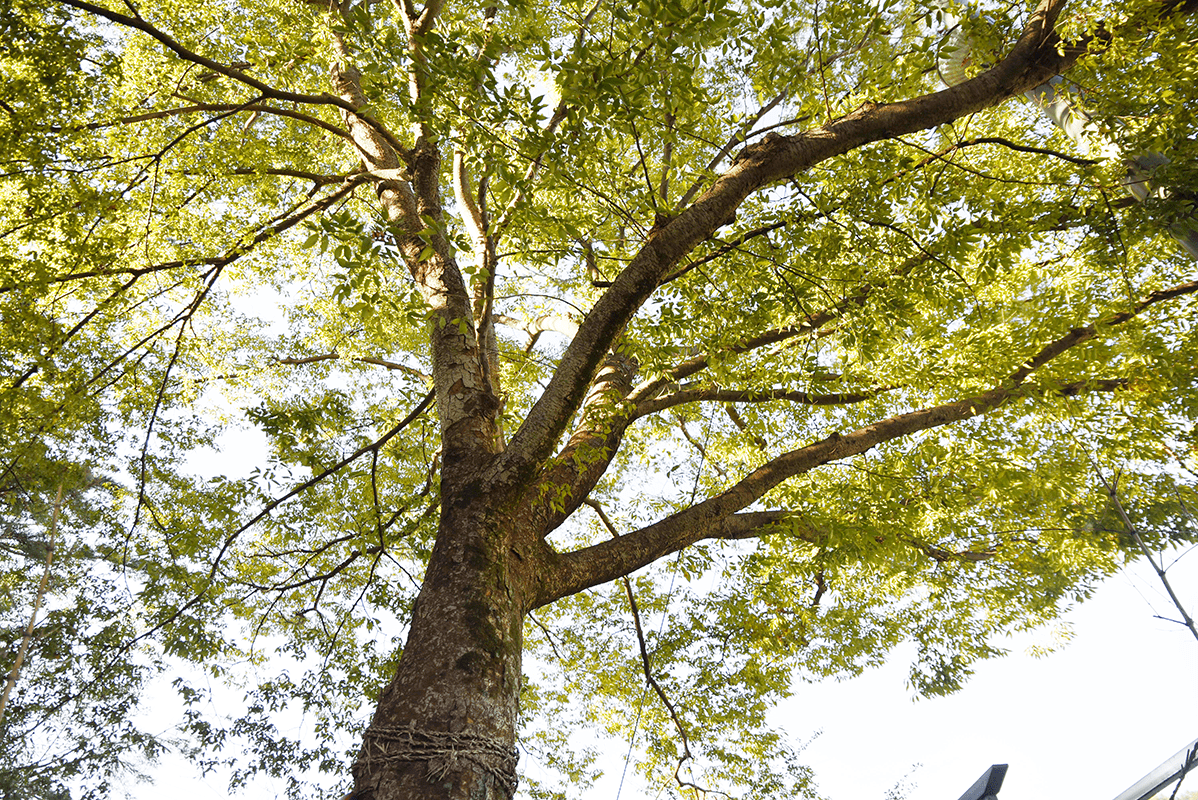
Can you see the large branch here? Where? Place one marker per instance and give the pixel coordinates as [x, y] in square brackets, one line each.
[535, 326]
[139, 23]
[712, 518]
[612, 404]
[575, 470]
[698, 394]
[381, 153]
[410, 193]
[644, 395]
[610, 559]
[416, 25]
[573, 478]
[573, 473]
[607, 414]
[1036, 57]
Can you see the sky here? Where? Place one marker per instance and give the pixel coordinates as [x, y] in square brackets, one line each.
[1085, 722]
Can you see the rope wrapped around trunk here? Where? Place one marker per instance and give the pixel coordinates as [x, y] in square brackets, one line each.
[444, 752]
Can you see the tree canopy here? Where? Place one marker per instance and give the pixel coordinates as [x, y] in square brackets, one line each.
[566, 318]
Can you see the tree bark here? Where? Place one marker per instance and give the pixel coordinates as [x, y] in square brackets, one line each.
[445, 727]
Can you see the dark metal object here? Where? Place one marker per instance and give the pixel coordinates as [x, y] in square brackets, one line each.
[987, 786]
[1173, 768]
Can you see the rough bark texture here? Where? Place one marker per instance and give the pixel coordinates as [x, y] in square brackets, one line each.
[446, 725]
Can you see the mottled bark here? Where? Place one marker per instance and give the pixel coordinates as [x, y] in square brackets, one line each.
[445, 727]
[456, 690]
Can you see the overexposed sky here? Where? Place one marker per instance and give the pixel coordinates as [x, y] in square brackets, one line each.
[1085, 722]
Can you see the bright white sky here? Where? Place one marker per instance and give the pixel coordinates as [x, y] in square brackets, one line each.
[1084, 723]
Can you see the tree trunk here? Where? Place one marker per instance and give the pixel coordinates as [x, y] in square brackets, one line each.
[445, 727]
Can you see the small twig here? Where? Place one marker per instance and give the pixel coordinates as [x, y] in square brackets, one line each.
[138, 22]
[370, 448]
[548, 637]
[640, 637]
[1191, 757]
[686, 748]
[737, 138]
[819, 53]
[1135, 535]
[739, 422]
[334, 355]
[733, 245]
[821, 586]
[219, 556]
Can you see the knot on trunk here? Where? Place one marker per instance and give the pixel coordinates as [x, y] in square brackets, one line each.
[444, 753]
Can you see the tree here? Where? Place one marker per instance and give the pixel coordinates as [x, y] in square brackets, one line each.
[555, 315]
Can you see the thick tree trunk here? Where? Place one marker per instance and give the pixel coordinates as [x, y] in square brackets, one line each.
[445, 727]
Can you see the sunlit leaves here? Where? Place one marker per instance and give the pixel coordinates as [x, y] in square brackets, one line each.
[259, 523]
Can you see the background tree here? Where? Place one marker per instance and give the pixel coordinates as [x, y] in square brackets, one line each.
[554, 315]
